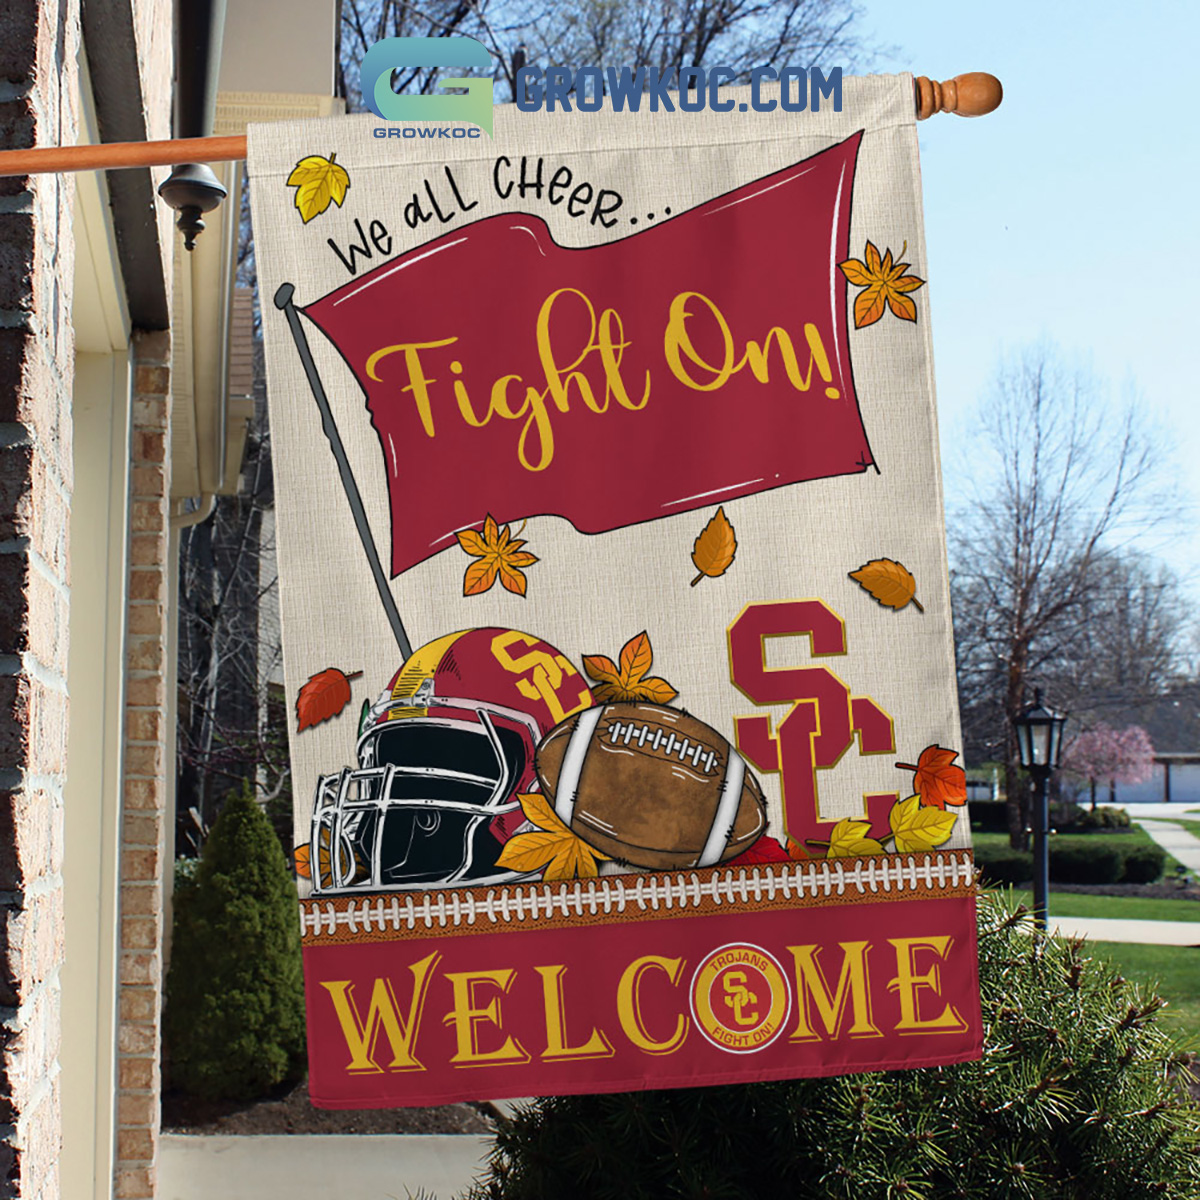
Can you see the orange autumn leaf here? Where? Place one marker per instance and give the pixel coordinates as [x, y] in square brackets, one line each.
[889, 582]
[347, 863]
[602, 669]
[628, 682]
[714, 549]
[323, 696]
[552, 845]
[636, 656]
[886, 285]
[937, 780]
[301, 857]
[499, 555]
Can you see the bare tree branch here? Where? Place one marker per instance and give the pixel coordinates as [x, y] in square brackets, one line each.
[1040, 583]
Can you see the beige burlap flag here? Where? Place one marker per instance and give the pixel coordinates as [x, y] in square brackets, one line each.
[615, 601]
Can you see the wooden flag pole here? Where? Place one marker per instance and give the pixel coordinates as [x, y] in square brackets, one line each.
[972, 95]
[111, 156]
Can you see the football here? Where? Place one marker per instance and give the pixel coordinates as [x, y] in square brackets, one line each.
[651, 786]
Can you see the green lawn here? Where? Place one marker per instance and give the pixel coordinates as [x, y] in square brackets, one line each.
[1135, 836]
[1176, 971]
[1127, 908]
[1193, 827]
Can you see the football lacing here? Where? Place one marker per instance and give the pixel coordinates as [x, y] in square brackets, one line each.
[470, 910]
[625, 731]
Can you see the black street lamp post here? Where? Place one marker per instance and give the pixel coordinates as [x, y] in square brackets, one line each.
[1039, 743]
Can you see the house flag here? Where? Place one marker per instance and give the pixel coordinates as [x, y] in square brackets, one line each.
[615, 606]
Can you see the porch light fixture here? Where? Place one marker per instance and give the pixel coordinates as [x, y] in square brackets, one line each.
[192, 190]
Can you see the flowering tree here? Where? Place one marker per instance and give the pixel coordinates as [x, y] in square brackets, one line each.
[1099, 753]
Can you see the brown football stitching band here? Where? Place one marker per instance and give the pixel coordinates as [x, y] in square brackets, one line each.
[615, 899]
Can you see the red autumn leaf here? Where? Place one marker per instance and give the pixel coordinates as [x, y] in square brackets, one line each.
[765, 850]
[936, 780]
[323, 696]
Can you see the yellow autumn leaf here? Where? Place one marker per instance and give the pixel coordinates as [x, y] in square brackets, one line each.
[540, 812]
[319, 182]
[574, 860]
[849, 839]
[918, 827]
[890, 582]
[529, 851]
[655, 690]
[714, 549]
[552, 845]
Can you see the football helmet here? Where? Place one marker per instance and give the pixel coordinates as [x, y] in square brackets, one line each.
[442, 756]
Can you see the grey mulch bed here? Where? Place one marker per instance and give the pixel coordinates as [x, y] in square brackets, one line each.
[289, 1111]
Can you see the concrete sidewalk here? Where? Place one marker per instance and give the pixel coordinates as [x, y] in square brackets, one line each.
[1160, 811]
[318, 1167]
[1181, 845]
[1112, 929]
[1174, 839]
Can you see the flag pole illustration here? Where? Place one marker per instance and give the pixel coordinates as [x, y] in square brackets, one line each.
[283, 301]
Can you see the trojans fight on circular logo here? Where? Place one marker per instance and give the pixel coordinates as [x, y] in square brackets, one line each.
[740, 998]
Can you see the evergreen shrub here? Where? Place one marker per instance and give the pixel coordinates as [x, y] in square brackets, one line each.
[989, 816]
[234, 1021]
[1104, 817]
[1003, 864]
[1078, 1096]
[1091, 861]
[1144, 864]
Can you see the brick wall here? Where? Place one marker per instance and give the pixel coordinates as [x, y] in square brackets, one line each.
[144, 816]
[38, 45]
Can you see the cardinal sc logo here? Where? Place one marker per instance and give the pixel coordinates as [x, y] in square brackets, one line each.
[740, 998]
[401, 53]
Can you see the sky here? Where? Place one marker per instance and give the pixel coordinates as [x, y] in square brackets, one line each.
[1070, 214]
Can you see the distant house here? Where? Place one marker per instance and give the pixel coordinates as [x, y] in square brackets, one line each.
[1173, 723]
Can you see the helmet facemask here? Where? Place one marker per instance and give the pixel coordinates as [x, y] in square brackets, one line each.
[431, 802]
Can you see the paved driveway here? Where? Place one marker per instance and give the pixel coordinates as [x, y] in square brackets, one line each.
[315, 1167]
